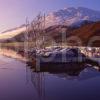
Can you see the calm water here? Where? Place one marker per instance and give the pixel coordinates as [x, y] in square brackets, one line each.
[19, 82]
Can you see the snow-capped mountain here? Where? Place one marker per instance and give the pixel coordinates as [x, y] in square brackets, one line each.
[71, 16]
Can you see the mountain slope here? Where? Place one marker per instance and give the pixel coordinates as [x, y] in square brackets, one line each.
[87, 32]
[12, 33]
[84, 33]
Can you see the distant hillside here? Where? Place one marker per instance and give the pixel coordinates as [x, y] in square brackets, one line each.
[9, 34]
[85, 32]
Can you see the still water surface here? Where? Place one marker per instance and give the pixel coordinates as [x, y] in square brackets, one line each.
[19, 82]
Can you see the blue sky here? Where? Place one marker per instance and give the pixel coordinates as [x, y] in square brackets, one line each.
[14, 12]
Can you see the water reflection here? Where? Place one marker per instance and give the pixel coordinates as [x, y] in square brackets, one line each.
[58, 86]
[52, 82]
[47, 79]
[12, 54]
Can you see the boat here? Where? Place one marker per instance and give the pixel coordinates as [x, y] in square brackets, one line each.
[62, 56]
[59, 57]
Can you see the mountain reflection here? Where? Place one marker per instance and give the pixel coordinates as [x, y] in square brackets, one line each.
[39, 79]
[51, 79]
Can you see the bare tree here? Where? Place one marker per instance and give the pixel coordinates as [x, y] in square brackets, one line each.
[38, 29]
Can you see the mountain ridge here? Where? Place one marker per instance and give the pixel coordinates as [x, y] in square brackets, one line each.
[71, 15]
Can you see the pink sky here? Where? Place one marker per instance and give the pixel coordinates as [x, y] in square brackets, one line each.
[14, 12]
